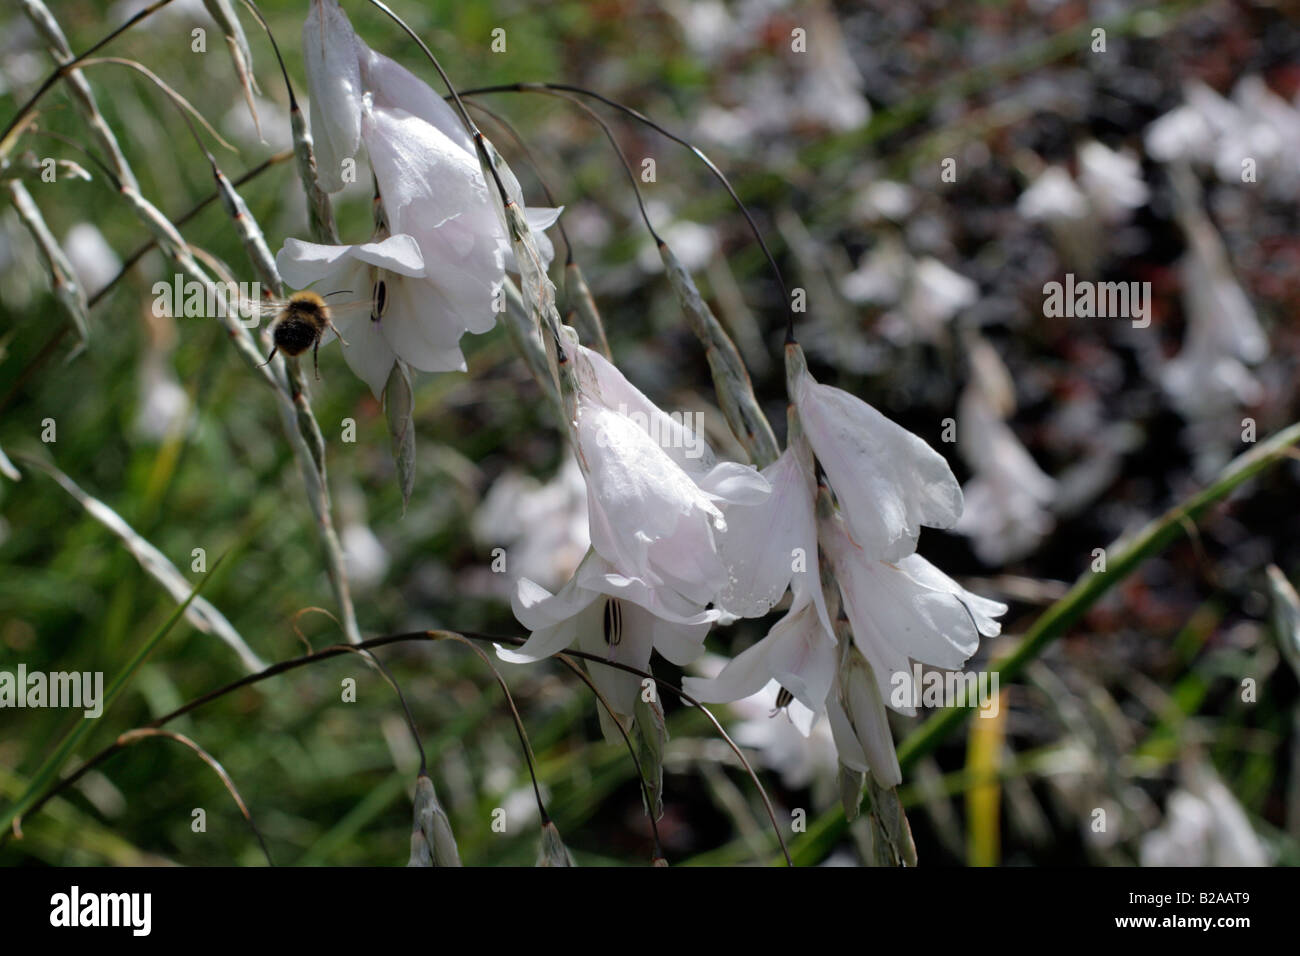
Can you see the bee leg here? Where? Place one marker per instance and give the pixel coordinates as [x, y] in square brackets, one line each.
[338, 333]
[315, 358]
[269, 357]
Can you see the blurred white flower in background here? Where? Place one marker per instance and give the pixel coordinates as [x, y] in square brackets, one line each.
[364, 555]
[1210, 378]
[927, 294]
[163, 405]
[1112, 181]
[692, 244]
[822, 89]
[1008, 497]
[883, 199]
[1204, 826]
[277, 128]
[91, 256]
[881, 274]
[1055, 199]
[542, 526]
[1254, 131]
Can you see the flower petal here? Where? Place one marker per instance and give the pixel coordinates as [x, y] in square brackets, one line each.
[330, 52]
[888, 480]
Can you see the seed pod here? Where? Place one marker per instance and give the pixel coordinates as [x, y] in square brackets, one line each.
[433, 824]
[651, 736]
[553, 851]
[420, 855]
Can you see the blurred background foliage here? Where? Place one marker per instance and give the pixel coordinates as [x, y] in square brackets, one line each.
[161, 422]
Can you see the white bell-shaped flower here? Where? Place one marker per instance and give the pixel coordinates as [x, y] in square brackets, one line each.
[655, 490]
[905, 611]
[385, 312]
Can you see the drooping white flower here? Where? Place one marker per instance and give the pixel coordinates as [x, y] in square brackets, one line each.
[905, 611]
[387, 298]
[888, 481]
[432, 190]
[430, 165]
[655, 490]
[330, 55]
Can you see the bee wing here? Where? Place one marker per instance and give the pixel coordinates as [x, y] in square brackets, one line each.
[349, 309]
[269, 308]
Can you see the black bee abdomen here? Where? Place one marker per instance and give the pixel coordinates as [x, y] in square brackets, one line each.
[293, 336]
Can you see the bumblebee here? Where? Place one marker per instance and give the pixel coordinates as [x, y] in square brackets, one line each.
[299, 326]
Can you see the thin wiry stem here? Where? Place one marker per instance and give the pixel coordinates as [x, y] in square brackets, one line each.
[188, 111]
[537, 171]
[627, 739]
[613, 141]
[128, 263]
[335, 650]
[24, 113]
[642, 118]
[406, 708]
[519, 722]
[143, 733]
[83, 98]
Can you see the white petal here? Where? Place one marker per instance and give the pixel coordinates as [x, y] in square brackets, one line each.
[760, 544]
[745, 675]
[637, 496]
[330, 54]
[367, 353]
[731, 481]
[897, 617]
[395, 87]
[433, 190]
[596, 574]
[608, 386]
[982, 609]
[414, 326]
[888, 480]
[536, 608]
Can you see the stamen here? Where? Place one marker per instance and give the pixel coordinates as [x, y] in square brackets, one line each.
[613, 622]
